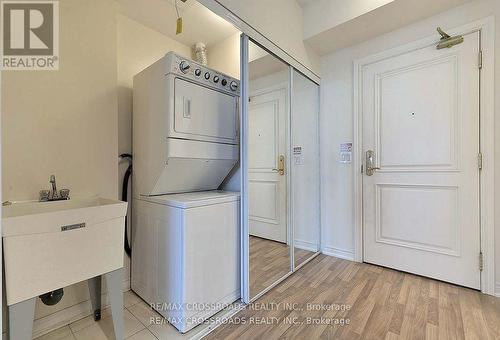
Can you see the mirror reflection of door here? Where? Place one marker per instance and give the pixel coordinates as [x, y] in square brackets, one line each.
[267, 144]
[268, 111]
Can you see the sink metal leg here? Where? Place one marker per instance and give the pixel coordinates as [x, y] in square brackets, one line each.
[21, 317]
[114, 283]
[95, 296]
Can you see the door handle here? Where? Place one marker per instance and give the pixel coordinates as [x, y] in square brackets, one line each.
[369, 161]
[281, 165]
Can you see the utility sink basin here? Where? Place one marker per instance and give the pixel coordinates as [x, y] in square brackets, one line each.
[51, 245]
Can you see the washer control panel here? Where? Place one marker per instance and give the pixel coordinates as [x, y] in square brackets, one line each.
[201, 74]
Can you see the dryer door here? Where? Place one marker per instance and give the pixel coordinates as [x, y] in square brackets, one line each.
[204, 114]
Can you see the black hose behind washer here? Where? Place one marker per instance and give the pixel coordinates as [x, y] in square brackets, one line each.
[126, 178]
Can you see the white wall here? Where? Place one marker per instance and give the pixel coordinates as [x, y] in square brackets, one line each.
[336, 121]
[65, 122]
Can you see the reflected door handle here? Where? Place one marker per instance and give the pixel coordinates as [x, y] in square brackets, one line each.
[369, 161]
[281, 165]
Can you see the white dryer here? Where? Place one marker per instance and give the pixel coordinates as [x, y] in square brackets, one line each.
[185, 127]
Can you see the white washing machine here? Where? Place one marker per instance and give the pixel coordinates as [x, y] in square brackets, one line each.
[185, 241]
[185, 258]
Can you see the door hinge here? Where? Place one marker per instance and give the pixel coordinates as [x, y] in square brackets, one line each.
[480, 161]
[481, 261]
[480, 60]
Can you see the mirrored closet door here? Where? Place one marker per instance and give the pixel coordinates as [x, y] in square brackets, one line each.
[280, 169]
[268, 134]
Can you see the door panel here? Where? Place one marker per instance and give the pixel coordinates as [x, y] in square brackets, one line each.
[201, 112]
[430, 222]
[267, 187]
[432, 121]
[264, 201]
[421, 119]
[264, 135]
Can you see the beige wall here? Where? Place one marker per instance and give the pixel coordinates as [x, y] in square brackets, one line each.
[225, 56]
[337, 116]
[65, 122]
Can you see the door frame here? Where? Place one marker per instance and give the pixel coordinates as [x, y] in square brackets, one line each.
[286, 88]
[486, 29]
[244, 216]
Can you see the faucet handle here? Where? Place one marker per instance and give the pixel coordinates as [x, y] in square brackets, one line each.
[52, 179]
[64, 193]
[44, 195]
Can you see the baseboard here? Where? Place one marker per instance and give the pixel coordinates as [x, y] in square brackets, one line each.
[337, 252]
[126, 285]
[497, 289]
[306, 245]
[68, 315]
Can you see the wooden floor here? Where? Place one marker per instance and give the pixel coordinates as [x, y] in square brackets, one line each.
[372, 303]
[269, 261]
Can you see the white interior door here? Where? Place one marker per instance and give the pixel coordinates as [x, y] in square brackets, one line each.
[266, 184]
[421, 120]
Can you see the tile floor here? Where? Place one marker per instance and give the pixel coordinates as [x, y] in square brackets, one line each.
[137, 326]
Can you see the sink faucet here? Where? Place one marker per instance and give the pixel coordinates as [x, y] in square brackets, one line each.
[53, 195]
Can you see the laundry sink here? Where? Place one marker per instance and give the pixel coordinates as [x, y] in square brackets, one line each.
[50, 245]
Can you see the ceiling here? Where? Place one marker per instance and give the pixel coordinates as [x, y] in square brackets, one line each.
[199, 23]
[376, 22]
[202, 25]
[264, 66]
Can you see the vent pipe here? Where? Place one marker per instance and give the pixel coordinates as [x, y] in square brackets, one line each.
[200, 53]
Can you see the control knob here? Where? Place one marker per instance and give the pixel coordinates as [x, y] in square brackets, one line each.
[224, 82]
[197, 72]
[233, 85]
[184, 66]
[216, 79]
[207, 75]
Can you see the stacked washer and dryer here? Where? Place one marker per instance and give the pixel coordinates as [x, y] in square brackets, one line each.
[185, 232]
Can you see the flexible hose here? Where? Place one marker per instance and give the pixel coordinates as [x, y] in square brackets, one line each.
[126, 177]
